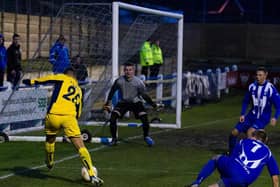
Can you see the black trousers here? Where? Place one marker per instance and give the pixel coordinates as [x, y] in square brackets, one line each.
[155, 70]
[14, 78]
[144, 70]
[2, 73]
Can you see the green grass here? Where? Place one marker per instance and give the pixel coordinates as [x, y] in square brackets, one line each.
[173, 162]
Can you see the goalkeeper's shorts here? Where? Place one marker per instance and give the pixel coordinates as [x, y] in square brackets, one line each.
[54, 123]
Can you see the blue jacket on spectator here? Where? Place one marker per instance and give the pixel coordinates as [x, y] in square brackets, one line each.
[3, 60]
[59, 57]
[3, 56]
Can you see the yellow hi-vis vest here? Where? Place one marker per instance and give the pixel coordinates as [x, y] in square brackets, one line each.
[146, 54]
[157, 54]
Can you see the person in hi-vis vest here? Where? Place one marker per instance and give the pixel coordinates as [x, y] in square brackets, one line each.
[146, 57]
[157, 58]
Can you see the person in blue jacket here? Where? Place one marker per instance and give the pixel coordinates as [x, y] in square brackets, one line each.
[59, 56]
[3, 60]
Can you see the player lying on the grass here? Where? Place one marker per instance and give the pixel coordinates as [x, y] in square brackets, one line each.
[262, 94]
[132, 90]
[244, 165]
[64, 110]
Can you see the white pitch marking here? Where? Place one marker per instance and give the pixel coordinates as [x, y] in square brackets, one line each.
[104, 146]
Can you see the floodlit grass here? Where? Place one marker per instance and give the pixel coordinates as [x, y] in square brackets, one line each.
[173, 162]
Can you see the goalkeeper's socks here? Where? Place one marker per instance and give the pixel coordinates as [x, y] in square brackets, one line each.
[86, 160]
[232, 142]
[206, 171]
[50, 148]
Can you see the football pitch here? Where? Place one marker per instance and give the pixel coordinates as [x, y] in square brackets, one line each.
[173, 162]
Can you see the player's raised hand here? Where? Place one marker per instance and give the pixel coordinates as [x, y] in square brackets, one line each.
[273, 122]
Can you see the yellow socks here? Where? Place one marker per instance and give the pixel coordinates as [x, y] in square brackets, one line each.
[49, 147]
[86, 160]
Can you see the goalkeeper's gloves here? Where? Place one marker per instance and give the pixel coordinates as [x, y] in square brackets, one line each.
[27, 82]
[154, 105]
[107, 107]
[158, 106]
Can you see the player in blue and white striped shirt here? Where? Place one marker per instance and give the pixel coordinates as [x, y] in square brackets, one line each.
[262, 94]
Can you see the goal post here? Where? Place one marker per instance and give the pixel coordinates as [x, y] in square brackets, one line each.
[115, 50]
[100, 35]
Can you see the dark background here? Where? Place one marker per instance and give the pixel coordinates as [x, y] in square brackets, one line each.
[245, 32]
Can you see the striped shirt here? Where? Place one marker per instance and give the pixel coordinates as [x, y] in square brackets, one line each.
[262, 98]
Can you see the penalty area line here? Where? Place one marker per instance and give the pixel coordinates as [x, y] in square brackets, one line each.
[105, 146]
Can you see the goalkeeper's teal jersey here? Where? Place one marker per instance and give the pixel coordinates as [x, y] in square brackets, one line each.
[66, 97]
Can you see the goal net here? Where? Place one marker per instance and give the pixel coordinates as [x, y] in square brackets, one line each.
[107, 36]
[132, 26]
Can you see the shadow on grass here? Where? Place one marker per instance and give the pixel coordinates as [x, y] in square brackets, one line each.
[135, 142]
[37, 174]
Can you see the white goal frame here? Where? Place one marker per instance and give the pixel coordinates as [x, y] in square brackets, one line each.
[115, 51]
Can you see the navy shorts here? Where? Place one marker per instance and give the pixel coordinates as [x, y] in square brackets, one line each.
[251, 121]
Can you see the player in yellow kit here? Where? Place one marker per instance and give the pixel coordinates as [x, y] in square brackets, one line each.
[64, 110]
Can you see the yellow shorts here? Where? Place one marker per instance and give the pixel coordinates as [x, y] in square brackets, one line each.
[68, 123]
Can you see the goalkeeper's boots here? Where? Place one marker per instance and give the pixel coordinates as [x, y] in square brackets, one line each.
[149, 141]
[114, 142]
[96, 181]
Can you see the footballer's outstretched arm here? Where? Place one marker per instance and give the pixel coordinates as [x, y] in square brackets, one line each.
[46, 79]
[42, 80]
[273, 170]
[275, 180]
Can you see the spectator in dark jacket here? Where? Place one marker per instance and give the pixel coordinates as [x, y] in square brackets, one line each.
[14, 61]
[80, 68]
[59, 55]
[3, 60]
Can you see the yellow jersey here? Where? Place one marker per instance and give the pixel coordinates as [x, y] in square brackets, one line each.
[66, 97]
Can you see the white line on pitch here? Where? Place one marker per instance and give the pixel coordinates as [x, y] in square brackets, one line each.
[104, 146]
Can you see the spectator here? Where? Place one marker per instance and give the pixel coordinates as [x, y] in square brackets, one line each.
[14, 61]
[59, 55]
[157, 58]
[80, 68]
[3, 60]
[146, 57]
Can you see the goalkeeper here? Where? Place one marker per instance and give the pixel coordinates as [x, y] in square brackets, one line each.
[132, 90]
[64, 109]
